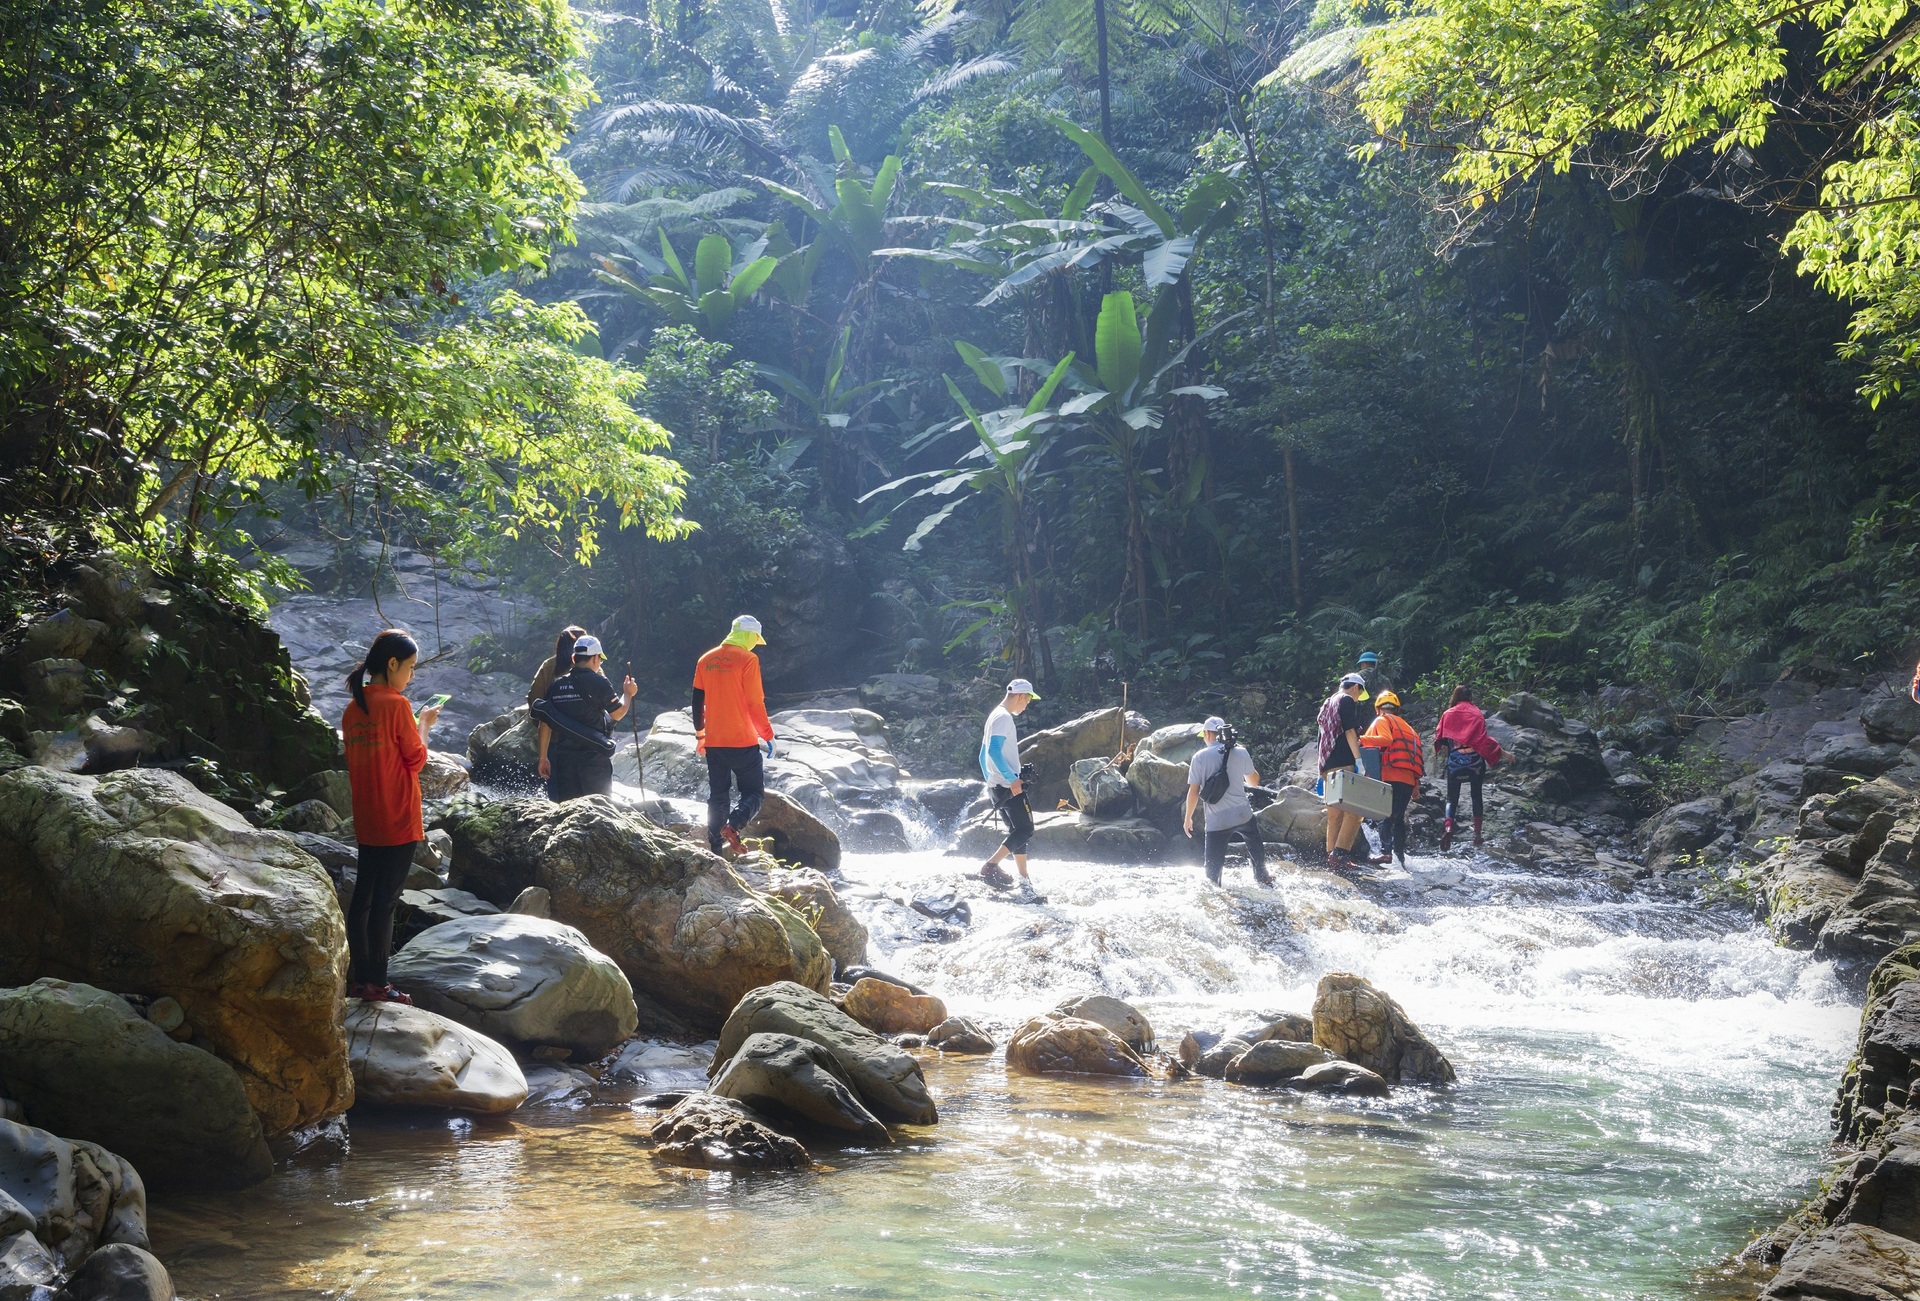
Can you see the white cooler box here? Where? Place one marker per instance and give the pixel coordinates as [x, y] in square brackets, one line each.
[1349, 792]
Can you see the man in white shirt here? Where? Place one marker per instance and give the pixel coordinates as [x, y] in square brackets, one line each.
[1000, 767]
[1232, 814]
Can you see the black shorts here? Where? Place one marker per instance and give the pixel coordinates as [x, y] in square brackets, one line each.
[1017, 815]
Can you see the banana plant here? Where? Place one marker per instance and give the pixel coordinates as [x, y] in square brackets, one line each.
[707, 299]
[1004, 468]
[1125, 395]
[833, 410]
[857, 221]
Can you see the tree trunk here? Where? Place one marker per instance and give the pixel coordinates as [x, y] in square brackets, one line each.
[1100, 41]
[1293, 525]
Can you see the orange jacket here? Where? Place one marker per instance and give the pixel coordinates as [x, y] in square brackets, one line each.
[384, 757]
[736, 706]
[1399, 747]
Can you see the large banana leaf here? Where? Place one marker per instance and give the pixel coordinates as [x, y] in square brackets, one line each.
[1116, 344]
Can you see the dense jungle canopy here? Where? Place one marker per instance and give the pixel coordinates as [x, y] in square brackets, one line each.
[1176, 340]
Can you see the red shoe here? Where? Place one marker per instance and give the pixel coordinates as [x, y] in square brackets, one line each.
[388, 994]
[996, 876]
[1446, 835]
[731, 839]
[364, 992]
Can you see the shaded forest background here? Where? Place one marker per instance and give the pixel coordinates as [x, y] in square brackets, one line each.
[1597, 432]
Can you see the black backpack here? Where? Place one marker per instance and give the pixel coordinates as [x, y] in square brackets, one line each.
[1214, 788]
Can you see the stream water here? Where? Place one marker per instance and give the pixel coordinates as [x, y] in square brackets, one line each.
[1642, 1086]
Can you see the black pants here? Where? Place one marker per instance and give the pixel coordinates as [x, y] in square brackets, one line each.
[727, 764]
[576, 773]
[1396, 839]
[1214, 849]
[376, 891]
[1474, 776]
[1017, 815]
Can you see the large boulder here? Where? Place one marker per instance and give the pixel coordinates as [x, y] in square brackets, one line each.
[444, 775]
[888, 1009]
[86, 1065]
[1883, 912]
[793, 834]
[825, 761]
[1297, 817]
[409, 1057]
[1065, 1045]
[506, 748]
[1356, 1022]
[1890, 717]
[662, 1067]
[1803, 888]
[903, 695]
[686, 931]
[137, 882]
[1550, 757]
[715, 1133]
[1100, 789]
[1851, 1262]
[519, 979]
[119, 1272]
[809, 893]
[887, 1079]
[784, 1075]
[959, 1035]
[72, 1196]
[1158, 773]
[1886, 1062]
[1101, 734]
[1124, 1019]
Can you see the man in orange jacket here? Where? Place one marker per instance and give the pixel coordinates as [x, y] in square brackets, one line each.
[730, 724]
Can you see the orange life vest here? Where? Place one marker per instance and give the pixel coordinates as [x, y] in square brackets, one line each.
[1399, 747]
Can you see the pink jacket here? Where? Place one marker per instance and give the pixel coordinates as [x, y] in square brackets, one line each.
[1465, 727]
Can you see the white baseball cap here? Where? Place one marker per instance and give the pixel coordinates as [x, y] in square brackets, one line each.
[1022, 687]
[1214, 724]
[586, 645]
[748, 624]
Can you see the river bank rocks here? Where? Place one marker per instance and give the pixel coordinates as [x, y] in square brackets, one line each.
[709, 1132]
[87, 1065]
[523, 980]
[138, 883]
[687, 933]
[1068, 834]
[73, 1222]
[409, 1057]
[795, 1078]
[1053, 752]
[888, 1079]
[808, 892]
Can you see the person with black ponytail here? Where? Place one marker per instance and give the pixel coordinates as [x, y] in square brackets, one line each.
[386, 749]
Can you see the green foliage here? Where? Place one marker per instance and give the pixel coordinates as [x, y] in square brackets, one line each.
[238, 244]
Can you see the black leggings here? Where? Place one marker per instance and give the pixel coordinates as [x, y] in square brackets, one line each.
[727, 764]
[1214, 849]
[1396, 840]
[376, 891]
[1474, 775]
[1018, 817]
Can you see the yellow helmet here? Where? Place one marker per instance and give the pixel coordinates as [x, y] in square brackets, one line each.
[1386, 698]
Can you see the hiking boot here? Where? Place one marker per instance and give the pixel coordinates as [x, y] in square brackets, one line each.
[1264, 881]
[388, 994]
[1476, 833]
[1446, 835]
[364, 992]
[1339, 860]
[1027, 894]
[996, 876]
[731, 839]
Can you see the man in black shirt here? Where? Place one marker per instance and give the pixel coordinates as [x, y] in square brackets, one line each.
[1341, 722]
[581, 711]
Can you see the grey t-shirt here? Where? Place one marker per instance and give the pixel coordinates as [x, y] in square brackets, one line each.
[1234, 808]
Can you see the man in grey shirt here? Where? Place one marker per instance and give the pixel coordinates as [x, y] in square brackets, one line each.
[1232, 814]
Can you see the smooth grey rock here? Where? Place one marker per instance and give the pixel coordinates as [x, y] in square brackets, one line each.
[312, 817]
[444, 775]
[1890, 717]
[779, 1074]
[1100, 789]
[1523, 709]
[903, 695]
[555, 1084]
[1275, 1060]
[1214, 1059]
[1296, 817]
[948, 799]
[85, 1064]
[1363, 1025]
[534, 901]
[26, 1266]
[714, 1133]
[521, 980]
[888, 1080]
[409, 1057]
[72, 1195]
[1883, 912]
[1053, 751]
[959, 1035]
[1340, 1077]
[119, 1272]
[662, 1067]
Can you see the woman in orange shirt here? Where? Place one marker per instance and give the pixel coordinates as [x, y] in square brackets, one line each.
[1401, 767]
[386, 749]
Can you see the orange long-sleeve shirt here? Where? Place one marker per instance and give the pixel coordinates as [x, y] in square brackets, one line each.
[735, 703]
[384, 757]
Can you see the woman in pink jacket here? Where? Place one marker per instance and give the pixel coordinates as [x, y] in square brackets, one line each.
[1462, 742]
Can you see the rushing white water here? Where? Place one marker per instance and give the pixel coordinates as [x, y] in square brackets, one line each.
[1642, 1086]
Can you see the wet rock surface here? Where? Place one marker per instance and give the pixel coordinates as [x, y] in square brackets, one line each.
[409, 1057]
[782, 1074]
[709, 1132]
[887, 1079]
[1361, 1024]
[1064, 1045]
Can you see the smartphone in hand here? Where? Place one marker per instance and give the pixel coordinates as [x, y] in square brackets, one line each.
[438, 701]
